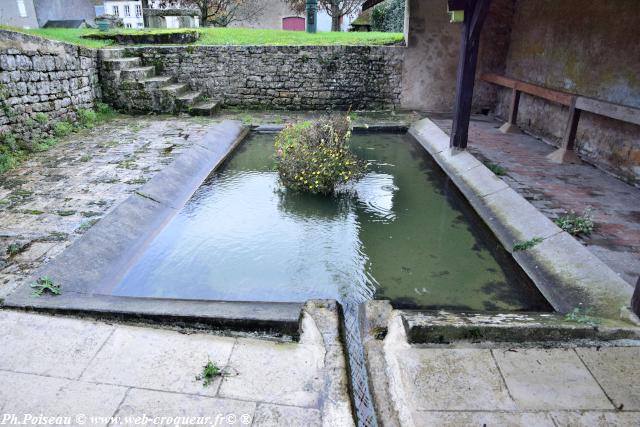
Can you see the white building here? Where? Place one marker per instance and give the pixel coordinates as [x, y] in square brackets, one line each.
[130, 11]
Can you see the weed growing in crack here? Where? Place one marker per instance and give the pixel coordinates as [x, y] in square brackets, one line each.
[209, 373]
[496, 168]
[528, 244]
[15, 248]
[45, 285]
[583, 316]
[575, 224]
[86, 225]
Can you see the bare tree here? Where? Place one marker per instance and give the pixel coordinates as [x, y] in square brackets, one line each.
[221, 13]
[336, 9]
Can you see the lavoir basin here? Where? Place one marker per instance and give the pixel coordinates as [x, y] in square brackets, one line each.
[402, 233]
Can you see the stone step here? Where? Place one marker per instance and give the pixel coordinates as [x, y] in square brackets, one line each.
[117, 64]
[138, 73]
[205, 108]
[111, 53]
[175, 88]
[156, 82]
[185, 101]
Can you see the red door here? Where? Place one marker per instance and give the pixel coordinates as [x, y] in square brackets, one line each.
[293, 23]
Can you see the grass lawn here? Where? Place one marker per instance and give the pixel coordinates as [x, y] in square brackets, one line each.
[233, 36]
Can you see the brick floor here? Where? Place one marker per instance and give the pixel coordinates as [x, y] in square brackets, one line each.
[555, 189]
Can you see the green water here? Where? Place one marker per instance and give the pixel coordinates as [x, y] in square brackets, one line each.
[401, 233]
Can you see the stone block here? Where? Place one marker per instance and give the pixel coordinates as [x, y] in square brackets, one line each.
[32, 343]
[452, 380]
[549, 379]
[617, 370]
[159, 404]
[289, 374]
[274, 416]
[53, 397]
[457, 419]
[159, 360]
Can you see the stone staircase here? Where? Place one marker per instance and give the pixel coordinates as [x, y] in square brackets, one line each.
[133, 87]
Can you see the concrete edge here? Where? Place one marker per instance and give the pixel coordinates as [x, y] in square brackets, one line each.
[270, 319]
[359, 129]
[377, 314]
[95, 262]
[336, 405]
[443, 327]
[565, 272]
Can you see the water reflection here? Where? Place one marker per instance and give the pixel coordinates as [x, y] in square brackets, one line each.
[398, 233]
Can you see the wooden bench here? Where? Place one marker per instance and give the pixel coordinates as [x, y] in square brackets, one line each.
[574, 102]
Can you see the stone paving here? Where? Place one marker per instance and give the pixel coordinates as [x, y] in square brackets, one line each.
[508, 384]
[555, 189]
[55, 196]
[68, 367]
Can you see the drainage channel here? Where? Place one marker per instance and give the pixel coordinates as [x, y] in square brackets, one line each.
[360, 393]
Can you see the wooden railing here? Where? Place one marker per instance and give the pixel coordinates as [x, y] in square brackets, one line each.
[576, 104]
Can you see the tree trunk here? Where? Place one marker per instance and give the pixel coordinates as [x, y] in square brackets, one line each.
[335, 18]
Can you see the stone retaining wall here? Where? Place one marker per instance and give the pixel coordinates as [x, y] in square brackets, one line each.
[43, 76]
[286, 77]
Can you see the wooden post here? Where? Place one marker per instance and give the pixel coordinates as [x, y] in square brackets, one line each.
[475, 12]
[511, 125]
[566, 153]
[635, 299]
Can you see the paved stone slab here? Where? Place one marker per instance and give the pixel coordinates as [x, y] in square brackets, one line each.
[457, 419]
[288, 374]
[161, 404]
[569, 276]
[158, 359]
[430, 136]
[59, 347]
[549, 379]
[617, 370]
[452, 379]
[482, 181]
[516, 220]
[460, 161]
[596, 419]
[276, 416]
[52, 397]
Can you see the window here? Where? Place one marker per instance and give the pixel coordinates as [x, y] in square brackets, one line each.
[140, 25]
[127, 25]
[116, 11]
[127, 11]
[138, 11]
[21, 9]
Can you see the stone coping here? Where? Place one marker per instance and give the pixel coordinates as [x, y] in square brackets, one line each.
[566, 273]
[495, 329]
[95, 263]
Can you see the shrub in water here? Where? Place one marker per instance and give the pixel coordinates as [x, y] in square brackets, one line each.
[315, 157]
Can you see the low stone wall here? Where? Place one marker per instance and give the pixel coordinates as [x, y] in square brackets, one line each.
[286, 77]
[43, 76]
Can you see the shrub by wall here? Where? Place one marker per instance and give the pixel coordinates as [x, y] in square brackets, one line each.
[388, 16]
